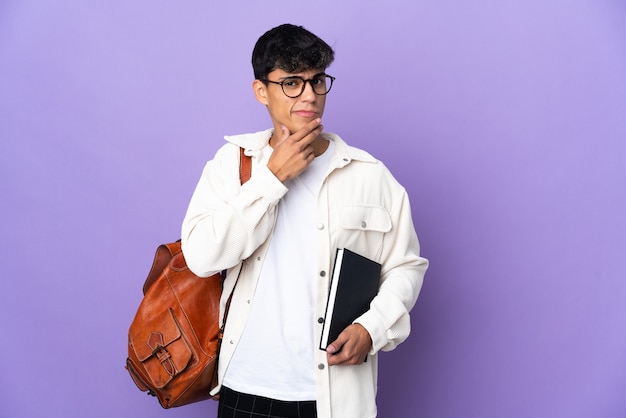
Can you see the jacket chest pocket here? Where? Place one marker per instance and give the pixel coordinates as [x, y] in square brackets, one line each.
[363, 228]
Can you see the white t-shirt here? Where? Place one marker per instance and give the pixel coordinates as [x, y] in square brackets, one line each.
[274, 357]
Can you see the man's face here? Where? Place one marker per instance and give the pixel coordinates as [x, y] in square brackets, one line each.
[294, 113]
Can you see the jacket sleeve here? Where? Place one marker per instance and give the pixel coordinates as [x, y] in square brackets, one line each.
[402, 275]
[225, 221]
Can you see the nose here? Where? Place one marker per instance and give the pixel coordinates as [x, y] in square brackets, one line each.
[308, 94]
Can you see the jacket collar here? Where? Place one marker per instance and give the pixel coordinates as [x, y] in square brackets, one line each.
[253, 143]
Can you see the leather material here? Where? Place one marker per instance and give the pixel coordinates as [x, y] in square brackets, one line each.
[174, 339]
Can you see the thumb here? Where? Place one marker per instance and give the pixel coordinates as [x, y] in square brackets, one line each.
[335, 346]
[285, 134]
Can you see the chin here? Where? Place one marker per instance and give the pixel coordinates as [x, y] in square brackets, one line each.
[294, 127]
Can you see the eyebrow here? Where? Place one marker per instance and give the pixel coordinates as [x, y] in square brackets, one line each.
[298, 76]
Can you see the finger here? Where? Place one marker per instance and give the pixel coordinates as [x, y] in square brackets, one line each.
[335, 358]
[309, 132]
[308, 140]
[344, 356]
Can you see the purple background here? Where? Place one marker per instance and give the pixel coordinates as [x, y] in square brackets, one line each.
[505, 120]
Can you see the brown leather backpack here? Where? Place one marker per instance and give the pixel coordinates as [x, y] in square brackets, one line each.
[174, 339]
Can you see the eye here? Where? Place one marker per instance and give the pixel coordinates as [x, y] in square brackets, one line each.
[319, 81]
[292, 83]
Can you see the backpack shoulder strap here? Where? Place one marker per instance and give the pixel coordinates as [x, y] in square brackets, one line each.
[245, 166]
[165, 252]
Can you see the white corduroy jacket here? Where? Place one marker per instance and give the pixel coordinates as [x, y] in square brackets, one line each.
[360, 206]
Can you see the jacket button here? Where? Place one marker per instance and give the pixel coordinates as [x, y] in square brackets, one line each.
[320, 226]
[320, 366]
[363, 224]
[323, 273]
[320, 320]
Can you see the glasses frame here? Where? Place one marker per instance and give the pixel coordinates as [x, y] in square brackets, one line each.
[304, 81]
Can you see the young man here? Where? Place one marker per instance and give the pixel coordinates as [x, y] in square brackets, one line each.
[309, 194]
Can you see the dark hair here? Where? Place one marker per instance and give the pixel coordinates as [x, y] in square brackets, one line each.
[290, 48]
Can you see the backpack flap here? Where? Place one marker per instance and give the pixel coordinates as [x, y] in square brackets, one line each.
[162, 350]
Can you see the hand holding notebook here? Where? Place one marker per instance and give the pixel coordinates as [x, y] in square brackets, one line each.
[354, 284]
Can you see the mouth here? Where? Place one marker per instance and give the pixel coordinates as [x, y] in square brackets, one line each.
[307, 114]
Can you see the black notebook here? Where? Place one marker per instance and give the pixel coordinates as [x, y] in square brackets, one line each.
[352, 287]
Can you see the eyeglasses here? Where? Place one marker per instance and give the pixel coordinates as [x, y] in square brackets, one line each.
[294, 86]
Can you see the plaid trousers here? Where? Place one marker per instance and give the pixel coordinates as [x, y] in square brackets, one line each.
[233, 404]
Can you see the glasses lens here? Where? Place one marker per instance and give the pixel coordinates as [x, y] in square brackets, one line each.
[292, 86]
[321, 84]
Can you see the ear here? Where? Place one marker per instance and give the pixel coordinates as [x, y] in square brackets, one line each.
[260, 91]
